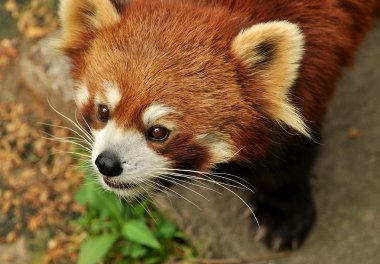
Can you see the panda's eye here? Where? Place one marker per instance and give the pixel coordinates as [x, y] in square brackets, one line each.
[158, 133]
[103, 113]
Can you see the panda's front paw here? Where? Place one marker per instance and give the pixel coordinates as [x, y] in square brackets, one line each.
[284, 230]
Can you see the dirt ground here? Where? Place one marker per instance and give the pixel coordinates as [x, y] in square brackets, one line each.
[346, 184]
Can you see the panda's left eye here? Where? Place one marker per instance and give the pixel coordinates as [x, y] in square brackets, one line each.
[158, 133]
[103, 113]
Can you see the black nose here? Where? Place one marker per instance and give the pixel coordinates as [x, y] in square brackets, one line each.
[109, 164]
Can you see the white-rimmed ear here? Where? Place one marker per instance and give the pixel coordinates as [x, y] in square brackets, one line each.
[273, 50]
[79, 18]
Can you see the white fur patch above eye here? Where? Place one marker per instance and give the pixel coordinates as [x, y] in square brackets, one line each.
[155, 112]
[112, 93]
[81, 95]
[221, 150]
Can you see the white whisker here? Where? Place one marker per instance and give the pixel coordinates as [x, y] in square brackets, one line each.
[224, 187]
[74, 153]
[217, 175]
[84, 120]
[75, 139]
[170, 190]
[83, 129]
[71, 121]
[69, 141]
[173, 181]
[69, 129]
[189, 182]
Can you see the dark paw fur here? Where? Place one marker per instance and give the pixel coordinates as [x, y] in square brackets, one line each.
[284, 229]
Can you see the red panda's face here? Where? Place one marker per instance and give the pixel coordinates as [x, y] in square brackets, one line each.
[164, 93]
[156, 108]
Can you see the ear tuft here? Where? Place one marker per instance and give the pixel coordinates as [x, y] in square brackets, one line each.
[273, 51]
[79, 18]
[120, 5]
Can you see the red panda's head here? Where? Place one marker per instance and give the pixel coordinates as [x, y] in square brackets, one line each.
[167, 86]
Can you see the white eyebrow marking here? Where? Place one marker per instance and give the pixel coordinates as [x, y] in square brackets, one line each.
[81, 95]
[154, 112]
[112, 93]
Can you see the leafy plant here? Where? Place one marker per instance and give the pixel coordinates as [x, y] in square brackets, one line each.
[120, 233]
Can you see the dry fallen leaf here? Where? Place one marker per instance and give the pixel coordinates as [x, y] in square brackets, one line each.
[36, 182]
[12, 7]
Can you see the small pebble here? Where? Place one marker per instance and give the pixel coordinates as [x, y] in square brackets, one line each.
[354, 133]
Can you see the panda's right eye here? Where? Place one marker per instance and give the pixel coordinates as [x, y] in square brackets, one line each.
[103, 113]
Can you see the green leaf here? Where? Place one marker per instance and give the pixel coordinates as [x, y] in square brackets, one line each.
[125, 248]
[108, 204]
[153, 260]
[96, 248]
[166, 229]
[138, 232]
[103, 203]
[138, 251]
[97, 225]
[85, 195]
[139, 210]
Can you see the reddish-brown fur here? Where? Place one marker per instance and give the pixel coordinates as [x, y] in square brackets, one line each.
[178, 52]
[203, 31]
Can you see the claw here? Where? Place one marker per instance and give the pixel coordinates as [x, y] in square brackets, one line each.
[295, 244]
[261, 233]
[277, 244]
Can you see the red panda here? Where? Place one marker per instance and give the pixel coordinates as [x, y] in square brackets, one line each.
[169, 87]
